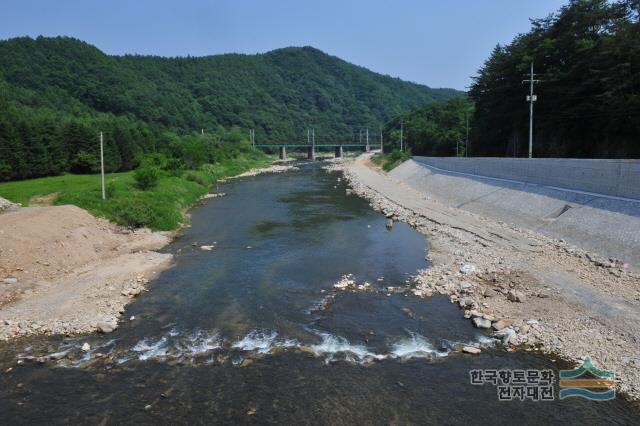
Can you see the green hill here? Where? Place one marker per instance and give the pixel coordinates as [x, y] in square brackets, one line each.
[57, 93]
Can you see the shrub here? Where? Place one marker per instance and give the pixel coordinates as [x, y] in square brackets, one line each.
[174, 167]
[196, 177]
[134, 212]
[110, 189]
[146, 177]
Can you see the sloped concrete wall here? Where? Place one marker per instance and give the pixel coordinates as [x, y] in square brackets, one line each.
[610, 227]
[619, 178]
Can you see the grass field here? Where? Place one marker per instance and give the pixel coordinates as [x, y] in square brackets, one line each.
[159, 208]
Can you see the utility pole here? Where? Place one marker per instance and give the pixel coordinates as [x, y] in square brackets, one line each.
[313, 136]
[466, 141]
[104, 194]
[308, 136]
[381, 143]
[401, 131]
[531, 98]
[367, 138]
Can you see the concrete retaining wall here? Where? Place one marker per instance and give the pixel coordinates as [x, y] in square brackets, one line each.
[608, 226]
[619, 178]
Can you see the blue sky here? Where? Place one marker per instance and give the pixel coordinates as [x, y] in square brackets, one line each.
[440, 43]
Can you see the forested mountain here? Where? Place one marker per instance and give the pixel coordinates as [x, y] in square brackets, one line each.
[56, 94]
[438, 129]
[588, 59]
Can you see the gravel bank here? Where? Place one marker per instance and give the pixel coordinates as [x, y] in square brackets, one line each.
[535, 292]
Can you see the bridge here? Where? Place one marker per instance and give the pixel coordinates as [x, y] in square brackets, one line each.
[311, 148]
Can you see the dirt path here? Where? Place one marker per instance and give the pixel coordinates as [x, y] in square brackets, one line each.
[550, 296]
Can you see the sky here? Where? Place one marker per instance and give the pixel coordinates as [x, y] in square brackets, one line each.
[440, 43]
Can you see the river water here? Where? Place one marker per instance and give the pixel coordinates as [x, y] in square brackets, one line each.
[253, 331]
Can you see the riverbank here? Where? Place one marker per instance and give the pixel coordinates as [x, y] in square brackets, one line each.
[533, 290]
[159, 208]
[64, 271]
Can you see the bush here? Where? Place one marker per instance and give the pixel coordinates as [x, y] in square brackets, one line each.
[196, 177]
[174, 167]
[110, 189]
[134, 212]
[146, 177]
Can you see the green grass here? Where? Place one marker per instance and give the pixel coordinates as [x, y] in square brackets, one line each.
[159, 208]
[392, 160]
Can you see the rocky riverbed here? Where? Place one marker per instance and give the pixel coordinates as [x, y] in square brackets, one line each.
[533, 292]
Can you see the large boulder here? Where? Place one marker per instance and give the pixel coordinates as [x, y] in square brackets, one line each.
[6, 205]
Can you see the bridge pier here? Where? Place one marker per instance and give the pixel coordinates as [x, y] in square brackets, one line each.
[311, 153]
[283, 152]
[339, 151]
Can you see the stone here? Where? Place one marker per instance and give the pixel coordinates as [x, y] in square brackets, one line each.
[466, 287]
[468, 269]
[490, 293]
[389, 223]
[206, 248]
[515, 296]
[10, 280]
[106, 326]
[471, 350]
[503, 323]
[480, 322]
[505, 335]
[86, 347]
[466, 302]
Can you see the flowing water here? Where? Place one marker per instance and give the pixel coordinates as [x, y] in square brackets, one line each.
[253, 331]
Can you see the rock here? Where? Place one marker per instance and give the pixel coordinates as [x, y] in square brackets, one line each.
[515, 296]
[467, 302]
[490, 293]
[468, 269]
[466, 287]
[134, 291]
[206, 248]
[106, 326]
[408, 312]
[457, 347]
[6, 205]
[480, 322]
[503, 323]
[389, 223]
[10, 280]
[471, 350]
[524, 328]
[505, 335]
[86, 347]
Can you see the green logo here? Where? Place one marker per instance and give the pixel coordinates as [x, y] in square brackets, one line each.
[587, 382]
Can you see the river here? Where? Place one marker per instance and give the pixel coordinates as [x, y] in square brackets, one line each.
[253, 331]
